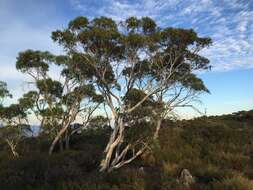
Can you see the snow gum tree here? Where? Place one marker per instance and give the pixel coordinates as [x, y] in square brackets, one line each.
[143, 72]
[57, 103]
[14, 123]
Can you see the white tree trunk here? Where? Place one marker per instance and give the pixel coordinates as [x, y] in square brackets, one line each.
[158, 127]
[58, 136]
[13, 146]
[115, 140]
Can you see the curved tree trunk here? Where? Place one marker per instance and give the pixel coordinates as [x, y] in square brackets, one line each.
[115, 139]
[115, 153]
[57, 138]
[62, 131]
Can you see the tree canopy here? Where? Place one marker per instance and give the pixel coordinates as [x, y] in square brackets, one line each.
[135, 65]
[133, 73]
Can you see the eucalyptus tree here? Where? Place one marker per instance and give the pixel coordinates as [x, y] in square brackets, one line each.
[15, 126]
[143, 72]
[57, 103]
[4, 92]
[14, 123]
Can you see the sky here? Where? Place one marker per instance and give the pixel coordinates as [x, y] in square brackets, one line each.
[27, 24]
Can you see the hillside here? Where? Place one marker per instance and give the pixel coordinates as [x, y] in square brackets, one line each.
[217, 150]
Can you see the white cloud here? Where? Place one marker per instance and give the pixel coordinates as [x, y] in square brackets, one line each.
[119, 10]
[8, 72]
[18, 34]
[229, 23]
[19, 37]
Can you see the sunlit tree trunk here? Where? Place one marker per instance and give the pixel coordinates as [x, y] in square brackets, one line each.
[115, 138]
[58, 138]
[13, 148]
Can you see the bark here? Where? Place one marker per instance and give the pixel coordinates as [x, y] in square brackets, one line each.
[158, 127]
[115, 140]
[13, 148]
[115, 153]
[124, 162]
[65, 130]
[58, 137]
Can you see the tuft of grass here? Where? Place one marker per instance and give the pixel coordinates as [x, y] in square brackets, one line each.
[237, 182]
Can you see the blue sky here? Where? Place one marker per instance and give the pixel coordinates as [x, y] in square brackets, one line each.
[28, 24]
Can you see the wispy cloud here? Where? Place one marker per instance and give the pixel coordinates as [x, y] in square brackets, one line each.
[228, 22]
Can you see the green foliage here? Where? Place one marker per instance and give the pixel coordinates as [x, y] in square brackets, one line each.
[3, 91]
[133, 96]
[49, 87]
[57, 103]
[28, 100]
[79, 23]
[216, 150]
[12, 111]
[132, 66]
[129, 63]
[97, 122]
[194, 83]
[30, 59]
[102, 37]
[15, 133]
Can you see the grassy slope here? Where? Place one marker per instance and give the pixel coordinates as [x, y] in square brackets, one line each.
[218, 151]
